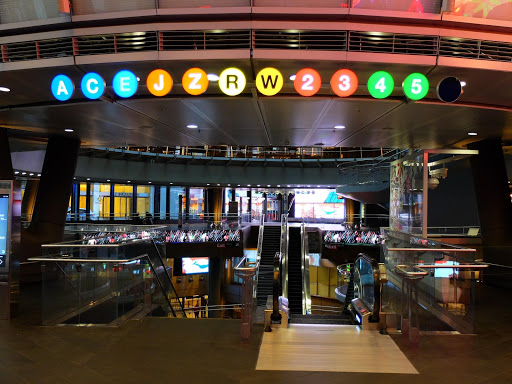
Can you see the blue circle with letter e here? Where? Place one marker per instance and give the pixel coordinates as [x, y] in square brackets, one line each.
[92, 86]
[62, 87]
[125, 84]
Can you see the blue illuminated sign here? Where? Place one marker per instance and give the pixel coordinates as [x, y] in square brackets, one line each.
[125, 84]
[4, 220]
[93, 86]
[62, 87]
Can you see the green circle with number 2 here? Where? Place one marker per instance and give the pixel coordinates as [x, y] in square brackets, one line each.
[380, 85]
[415, 86]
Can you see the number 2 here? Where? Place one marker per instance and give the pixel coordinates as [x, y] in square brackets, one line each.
[308, 81]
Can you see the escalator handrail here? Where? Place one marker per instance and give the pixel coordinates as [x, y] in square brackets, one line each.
[283, 250]
[171, 285]
[306, 286]
[376, 285]
[259, 249]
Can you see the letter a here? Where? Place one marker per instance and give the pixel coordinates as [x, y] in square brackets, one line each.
[62, 88]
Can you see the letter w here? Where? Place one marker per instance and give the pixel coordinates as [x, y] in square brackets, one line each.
[273, 82]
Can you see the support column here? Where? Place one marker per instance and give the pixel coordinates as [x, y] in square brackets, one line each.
[494, 206]
[6, 171]
[29, 199]
[214, 200]
[187, 203]
[52, 200]
[215, 277]
[291, 208]
[112, 207]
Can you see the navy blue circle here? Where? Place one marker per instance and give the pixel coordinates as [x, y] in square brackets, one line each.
[62, 87]
[92, 86]
[449, 89]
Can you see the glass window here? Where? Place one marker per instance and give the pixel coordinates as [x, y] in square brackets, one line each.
[174, 204]
[100, 201]
[123, 197]
[196, 205]
[145, 200]
[163, 202]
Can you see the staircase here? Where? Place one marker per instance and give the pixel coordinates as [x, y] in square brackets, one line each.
[294, 272]
[270, 245]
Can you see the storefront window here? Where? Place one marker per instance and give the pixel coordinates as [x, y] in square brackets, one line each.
[174, 204]
[123, 201]
[163, 202]
[145, 200]
[196, 202]
[100, 201]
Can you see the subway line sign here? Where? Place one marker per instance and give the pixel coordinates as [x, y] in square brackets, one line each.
[232, 82]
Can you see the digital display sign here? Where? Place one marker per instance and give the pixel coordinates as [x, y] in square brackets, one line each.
[194, 265]
[4, 220]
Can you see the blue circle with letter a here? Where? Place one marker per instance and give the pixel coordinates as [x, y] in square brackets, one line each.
[92, 86]
[62, 87]
[125, 84]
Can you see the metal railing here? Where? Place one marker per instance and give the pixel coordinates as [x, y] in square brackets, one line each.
[283, 250]
[306, 285]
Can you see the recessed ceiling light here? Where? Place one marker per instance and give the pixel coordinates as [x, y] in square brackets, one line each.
[218, 185]
[138, 78]
[259, 185]
[208, 184]
[268, 185]
[192, 126]
[23, 173]
[5, 89]
[248, 185]
[38, 175]
[74, 178]
[149, 182]
[170, 183]
[472, 133]
[16, 172]
[293, 77]
[339, 127]
[318, 186]
[238, 184]
[31, 174]
[108, 180]
[288, 186]
[462, 83]
[88, 179]
[68, 130]
[278, 186]
[212, 77]
[129, 181]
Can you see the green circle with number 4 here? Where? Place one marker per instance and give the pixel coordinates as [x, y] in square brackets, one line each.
[415, 86]
[380, 85]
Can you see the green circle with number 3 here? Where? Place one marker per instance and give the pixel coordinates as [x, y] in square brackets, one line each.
[380, 85]
[415, 86]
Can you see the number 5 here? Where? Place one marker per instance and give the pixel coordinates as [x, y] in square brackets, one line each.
[416, 86]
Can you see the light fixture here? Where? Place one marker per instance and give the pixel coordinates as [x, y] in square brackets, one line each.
[129, 181]
[38, 175]
[16, 172]
[170, 183]
[149, 182]
[278, 186]
[68, 130]
[192, 126]
[23, 173]
[208, 184]
[5, 89]
[88, 179]
[268, 185]
[238, 185]
[318, 186]
[292, 77]
[289, 186]
[212, 77]
[138, 78]
[339, 127]
[108, 180]
[248, 185]
[218, 185]
[472, 133]
[31, 174]
[462, 83]
[259, 185]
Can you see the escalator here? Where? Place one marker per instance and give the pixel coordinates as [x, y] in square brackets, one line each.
[270, 246]
[295, 285]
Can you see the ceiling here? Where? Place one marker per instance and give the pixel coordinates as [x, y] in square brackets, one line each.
[31, 114]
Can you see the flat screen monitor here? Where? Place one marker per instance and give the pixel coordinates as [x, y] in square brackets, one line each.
[190, 265]
[4, 220]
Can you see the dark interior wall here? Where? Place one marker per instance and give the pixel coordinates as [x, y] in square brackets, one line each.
[453, 202]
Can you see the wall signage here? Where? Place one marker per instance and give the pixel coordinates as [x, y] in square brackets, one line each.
[269, 82]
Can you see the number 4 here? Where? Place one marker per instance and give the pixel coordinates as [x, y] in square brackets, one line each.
[381, 84]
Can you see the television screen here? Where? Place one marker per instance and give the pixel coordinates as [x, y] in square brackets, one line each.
[194, 265]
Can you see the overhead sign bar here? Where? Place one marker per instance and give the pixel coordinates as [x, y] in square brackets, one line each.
[269, 82]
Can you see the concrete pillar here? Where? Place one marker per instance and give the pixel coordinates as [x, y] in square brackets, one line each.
[52, 200]
[215, 278]
[214, 203]
[6, 171]
[29, 199]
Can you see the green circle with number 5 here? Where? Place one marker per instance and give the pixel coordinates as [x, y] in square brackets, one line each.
[415, 86]
[380, 85]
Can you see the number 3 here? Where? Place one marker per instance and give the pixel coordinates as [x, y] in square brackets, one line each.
[344, 83]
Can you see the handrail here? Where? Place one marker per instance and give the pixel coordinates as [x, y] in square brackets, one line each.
[306, 286]
[70, 259]
[283, 249]
[418, 272]
[453, 266]
[433, 249]
[239, 267]
[259, 249]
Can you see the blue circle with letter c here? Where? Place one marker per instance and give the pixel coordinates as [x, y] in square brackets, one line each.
[125, 84]
[92, 86]
[62, 87]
